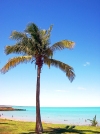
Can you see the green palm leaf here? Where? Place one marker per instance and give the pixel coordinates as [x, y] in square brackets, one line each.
[48, 53]
[48, 32]
[15, 61]
[62, 44]
[32, 28]
[17, 35]
[19, 49]
[34, 31]
[64, 67]
[45, 36]
[94, 121]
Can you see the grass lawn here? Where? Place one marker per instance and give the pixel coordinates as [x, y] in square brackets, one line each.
[20, 127]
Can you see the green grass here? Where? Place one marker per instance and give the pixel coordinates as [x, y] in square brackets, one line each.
[20, 127]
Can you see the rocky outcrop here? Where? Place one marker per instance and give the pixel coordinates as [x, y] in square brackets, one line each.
[10, 109]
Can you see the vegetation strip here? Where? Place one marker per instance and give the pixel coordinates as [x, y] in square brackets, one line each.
[22, 127]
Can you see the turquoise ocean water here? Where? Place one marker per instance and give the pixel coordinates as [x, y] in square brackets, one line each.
[60, 115]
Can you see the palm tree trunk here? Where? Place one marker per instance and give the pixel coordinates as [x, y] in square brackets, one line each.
[39, 128]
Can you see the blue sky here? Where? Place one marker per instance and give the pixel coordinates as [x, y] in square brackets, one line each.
[75, 20]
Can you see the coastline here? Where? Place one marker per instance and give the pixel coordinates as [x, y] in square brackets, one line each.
[45, 122]
[14, 119]
[71, 116]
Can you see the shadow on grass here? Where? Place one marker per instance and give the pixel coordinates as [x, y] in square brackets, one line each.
[67, 129]
[51, 130]
[3, 123]
[70, 129]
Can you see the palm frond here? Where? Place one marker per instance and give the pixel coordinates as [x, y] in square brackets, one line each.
[19, 49]
[34, 31]
[17, 35]
[94, 121]
[49, 31]
[35, 42]
[64, 67]
[15, 61]
[50, 28]
[46, 36]
[44, 33]
[62, 44]
[32, 28]
[48, 53]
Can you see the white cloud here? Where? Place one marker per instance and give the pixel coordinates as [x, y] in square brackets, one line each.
[87, 64]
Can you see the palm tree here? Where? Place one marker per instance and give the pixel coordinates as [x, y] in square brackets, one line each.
[94, 121]
[34, 45]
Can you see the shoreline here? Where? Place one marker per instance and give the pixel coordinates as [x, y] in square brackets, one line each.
[45, 122]
[23, 120]
[72, 116]
[14, 119]
[49, 120]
